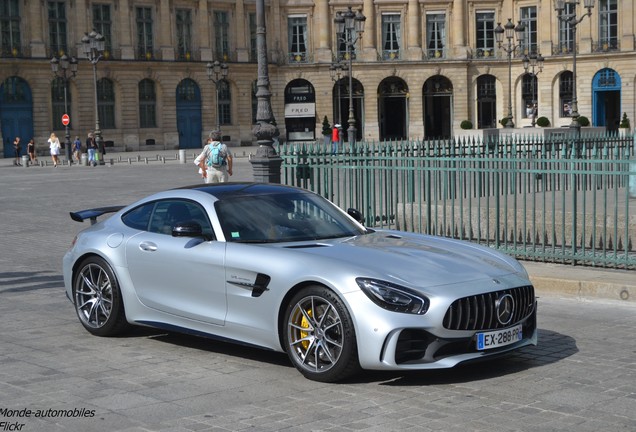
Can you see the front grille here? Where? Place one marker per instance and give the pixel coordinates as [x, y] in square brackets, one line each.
[478, 312]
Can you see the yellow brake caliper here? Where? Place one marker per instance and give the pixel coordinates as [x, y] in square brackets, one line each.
[305, 324]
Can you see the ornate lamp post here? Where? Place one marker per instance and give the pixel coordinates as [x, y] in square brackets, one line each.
[266, 163]
[349, 28]
[93, 47]
[217, 71]
[335, 70]
[510, 29]
[573, 21]
[531, 62]
[60, 68]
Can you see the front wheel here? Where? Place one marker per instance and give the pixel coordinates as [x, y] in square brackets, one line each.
[97, 298]
[319, 336]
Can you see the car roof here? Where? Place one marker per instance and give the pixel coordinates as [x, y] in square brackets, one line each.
[232, 190]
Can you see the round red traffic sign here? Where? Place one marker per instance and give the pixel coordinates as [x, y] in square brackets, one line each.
[66, 119]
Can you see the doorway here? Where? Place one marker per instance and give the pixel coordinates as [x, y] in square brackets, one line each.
[392, 109]
[438, 101]
[16, 113]
[189, 122]
[606, 99]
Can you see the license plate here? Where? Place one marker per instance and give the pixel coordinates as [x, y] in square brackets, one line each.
[499, 338]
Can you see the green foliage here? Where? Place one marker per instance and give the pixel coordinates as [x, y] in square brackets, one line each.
[326, 127]
[583, 121]
[504, 121]
[625, 122]
[543, 122]
[466, 124]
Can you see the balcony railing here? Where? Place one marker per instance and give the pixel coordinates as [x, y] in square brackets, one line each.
[606, 45]
[15, 52]
[484, 53]
[391, 55]
[436, 54]
[563, 48]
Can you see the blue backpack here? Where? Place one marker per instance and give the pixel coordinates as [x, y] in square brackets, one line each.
[218, 154]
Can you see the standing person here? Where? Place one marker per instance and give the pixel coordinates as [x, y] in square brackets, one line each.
[17, 149]
[31, 151]
[77, 149]
[55, 146]
[91, 147]
[335, 138]
[216, 160]
[197, 160]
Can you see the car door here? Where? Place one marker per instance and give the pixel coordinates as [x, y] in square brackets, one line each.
[178, 275]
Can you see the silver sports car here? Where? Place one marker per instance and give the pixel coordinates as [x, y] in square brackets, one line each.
[284, 269]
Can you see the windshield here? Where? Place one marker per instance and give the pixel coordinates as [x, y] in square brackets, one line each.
[286, 217]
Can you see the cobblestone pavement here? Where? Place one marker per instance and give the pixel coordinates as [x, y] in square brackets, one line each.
[582, 376]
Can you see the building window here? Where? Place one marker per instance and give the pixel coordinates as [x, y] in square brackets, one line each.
[608, 25]
[57, 98]
[184, 34]
[529, 86]
[435, 35]
[566, 81]
[147, 104]
[529, 20]
[57, 28]
[566, 31]
[103, 24]
[145, 47]
[485, 37]
[10, 28]
[221, 36]
[252, 24]
[224, 103]
[106, 103]
[391, 36]
[297, 39]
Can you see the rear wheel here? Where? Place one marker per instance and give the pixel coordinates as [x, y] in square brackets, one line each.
[97, 298]
[319, 335]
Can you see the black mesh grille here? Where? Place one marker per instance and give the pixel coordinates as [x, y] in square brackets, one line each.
[478, 312]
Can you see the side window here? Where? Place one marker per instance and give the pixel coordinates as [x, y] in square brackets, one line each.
[139, 217]
[166, 214]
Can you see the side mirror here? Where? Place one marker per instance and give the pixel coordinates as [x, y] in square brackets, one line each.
[356, 214]
[187, 229]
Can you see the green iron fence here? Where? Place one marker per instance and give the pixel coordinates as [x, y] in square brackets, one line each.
[562, 199]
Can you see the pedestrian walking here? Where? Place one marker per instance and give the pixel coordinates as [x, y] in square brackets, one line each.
[17, 149]
[55, 146]
[335, 138]
[197, 161]
[33, 158]
[91, 148]
[77, 149]
[215, 160]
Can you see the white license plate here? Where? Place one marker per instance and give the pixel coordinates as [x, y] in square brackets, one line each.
[499, 338]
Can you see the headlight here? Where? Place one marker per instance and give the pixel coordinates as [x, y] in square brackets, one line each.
[393, 297]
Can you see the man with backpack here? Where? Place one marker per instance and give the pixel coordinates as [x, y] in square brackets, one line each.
[215, 160]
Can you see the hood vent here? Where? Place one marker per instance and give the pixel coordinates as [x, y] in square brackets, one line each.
[306, 246]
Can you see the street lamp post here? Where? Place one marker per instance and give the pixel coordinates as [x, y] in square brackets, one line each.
[217, 71]
[531, 62]
[510, 29]
[349, 28]
[60, 68]
[573, 21]
[335, 70]
[93, 47]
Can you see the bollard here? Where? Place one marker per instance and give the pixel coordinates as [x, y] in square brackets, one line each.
[146, 161]
[182, 156]
[84, 159]
[25, 161]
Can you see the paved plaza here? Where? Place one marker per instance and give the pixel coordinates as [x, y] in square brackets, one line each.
[55, 376]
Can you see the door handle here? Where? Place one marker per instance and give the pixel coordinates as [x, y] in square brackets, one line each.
[147, 246]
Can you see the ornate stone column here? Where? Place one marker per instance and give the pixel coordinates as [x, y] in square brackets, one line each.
[414, 48]
[369, 50]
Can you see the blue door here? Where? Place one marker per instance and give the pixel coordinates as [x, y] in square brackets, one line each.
[189, 123]
[606, 99]
[16, 113]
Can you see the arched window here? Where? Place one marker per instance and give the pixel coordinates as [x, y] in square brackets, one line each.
[224, 103]
[147, 104]
[566, 81]
[106, 103]
[57, 99]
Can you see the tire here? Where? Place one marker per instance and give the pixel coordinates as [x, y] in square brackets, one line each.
[319, 336]
[97, 298]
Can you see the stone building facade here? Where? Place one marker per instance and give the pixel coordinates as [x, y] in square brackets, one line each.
[420, 68]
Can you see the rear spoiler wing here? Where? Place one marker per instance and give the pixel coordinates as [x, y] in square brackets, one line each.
[93, 214]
